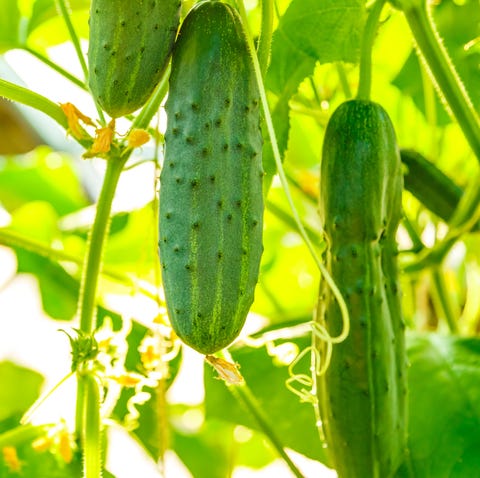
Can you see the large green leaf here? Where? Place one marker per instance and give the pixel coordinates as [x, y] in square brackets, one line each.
[444, 422]
[324, 31]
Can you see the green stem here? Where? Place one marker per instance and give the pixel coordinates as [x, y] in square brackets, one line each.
[91, 271]
[413, 234]
[92, 446]
[450, 86]
[56, 67]
[342, 76]
[152, 106]
[265, 40]
[444, 301]
[22, 95]
[243, 395]
[98, 233]
[11, 238]
[62, 5]
[365, 80]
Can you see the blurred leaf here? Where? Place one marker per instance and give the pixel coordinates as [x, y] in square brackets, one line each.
[458, 24]
[58, 289]
[203, 453]
[42, 175]
[46, 464]
[293, 422]
[19, 388]
[9, 25]
[444, 421]
[133, 247]
[44, 10]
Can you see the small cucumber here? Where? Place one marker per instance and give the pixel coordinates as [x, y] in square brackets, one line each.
[362, 395]
[433, 188]
[211, 203]
[129, 47]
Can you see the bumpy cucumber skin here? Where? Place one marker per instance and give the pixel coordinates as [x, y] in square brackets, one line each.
[362, 396]
[129, 48]
[211, 203]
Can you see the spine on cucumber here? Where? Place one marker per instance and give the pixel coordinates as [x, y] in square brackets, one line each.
[362, 395]
[129, 48]
[211, 203]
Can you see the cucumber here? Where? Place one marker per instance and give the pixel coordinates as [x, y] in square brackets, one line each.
[362, 395]
[211, 203]
[129, 47]
[433, 188]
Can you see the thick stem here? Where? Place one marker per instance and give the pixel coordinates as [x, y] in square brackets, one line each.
[450, 87]
[368, 39]
[92, 433]
[98, 233]
[92, 268]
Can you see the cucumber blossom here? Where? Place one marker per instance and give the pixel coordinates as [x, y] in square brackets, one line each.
[211, 203]
[129, 47]
[362, 395]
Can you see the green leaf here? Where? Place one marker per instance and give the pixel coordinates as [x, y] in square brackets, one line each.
[9, 25]
[309, 31]
[324, 31]
[444, 421]
[199, 449]
[58, 289]
[266, 378]
[19, 388]
[42, 175]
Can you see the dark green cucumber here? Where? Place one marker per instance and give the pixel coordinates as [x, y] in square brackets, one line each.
[433, 188]
[362, 395]
[129, 48]
[211, 203]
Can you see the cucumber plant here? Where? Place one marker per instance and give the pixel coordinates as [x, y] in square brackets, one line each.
[195, 249]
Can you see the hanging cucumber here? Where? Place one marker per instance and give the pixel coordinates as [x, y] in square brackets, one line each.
[211, 202]
[129, 48]
[362, 395]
